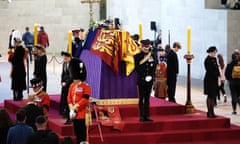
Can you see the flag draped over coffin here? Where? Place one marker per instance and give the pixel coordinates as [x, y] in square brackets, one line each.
[127, 51]
[106, 46]
[112, 46]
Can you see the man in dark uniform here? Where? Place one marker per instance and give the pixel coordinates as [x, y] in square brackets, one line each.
[145, 64]
[172, 71]
[40, 67]
[66, 81]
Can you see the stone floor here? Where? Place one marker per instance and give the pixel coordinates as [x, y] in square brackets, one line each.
[54, 68]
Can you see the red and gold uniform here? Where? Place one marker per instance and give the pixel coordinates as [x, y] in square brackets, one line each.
[79, 95]
[78, 100]
[160, 84]
[43, 101]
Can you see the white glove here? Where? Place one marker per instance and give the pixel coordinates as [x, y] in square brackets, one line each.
[72, 114]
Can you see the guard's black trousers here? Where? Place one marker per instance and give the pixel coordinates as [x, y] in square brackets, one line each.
[80, 130]
[144, 96]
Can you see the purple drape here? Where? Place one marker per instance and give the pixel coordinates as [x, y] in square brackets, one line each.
[104, 82]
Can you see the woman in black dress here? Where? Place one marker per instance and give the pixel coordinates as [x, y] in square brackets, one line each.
[211, 80]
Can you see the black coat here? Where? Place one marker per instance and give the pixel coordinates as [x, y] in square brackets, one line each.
[18, 69]
[211, 76]
[146, 69]
[172, 67]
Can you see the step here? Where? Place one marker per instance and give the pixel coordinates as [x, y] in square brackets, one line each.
[168, 137]
[167, 123]
[161, 107]
[170, 124]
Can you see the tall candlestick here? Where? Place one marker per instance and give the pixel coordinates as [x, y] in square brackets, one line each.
[70, 42]
[140, 31]
[188, 40]
[35, 34]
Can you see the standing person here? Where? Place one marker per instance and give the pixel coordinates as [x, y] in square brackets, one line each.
[28, 42]
[211, 80]
[66, 81]
[78, 99]
[43, 135]
[42, 98]
[32, 112]
[222, 68]
[145, 64]
[18, 72]
[172, 71]
[19, 133]
[40, 70]
[5, 124]
[43, 38]
[234, 83]
[77, 44]
[160, 84]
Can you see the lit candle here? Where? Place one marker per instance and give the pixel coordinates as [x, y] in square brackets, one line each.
[140, 31]
[35, 34]
[188, 40]
[70, 42]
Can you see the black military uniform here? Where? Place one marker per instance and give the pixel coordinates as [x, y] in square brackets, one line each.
[145, 64]
[40, 68]
[66, 81]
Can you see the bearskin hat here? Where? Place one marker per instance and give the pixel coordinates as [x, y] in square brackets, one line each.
[35, 82]
[77, 69]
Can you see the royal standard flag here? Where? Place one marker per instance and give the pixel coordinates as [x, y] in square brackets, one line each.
[106, 45]
[128, 48]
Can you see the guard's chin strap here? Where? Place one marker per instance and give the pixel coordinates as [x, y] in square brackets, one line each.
[39, 90]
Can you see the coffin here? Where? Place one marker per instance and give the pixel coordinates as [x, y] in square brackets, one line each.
[104, 82]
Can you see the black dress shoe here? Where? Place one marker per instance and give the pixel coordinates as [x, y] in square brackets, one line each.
[234, 112]
[147, 119]
[210, 115]
[141, 119]
[68, 121]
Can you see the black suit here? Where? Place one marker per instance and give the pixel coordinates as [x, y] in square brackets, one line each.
[145, 78]
[172, 71]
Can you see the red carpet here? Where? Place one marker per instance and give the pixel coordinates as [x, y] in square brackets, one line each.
[170, 125]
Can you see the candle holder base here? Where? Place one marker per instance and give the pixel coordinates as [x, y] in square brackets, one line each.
[189, 109]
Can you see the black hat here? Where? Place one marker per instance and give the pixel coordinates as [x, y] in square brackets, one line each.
[211, 49]
[145, 42]
[35, 82]
[77, 69]
[65, 54]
